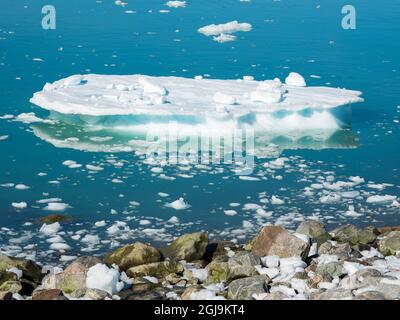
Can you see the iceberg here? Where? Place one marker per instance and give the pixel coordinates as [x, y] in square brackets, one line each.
[113, 113]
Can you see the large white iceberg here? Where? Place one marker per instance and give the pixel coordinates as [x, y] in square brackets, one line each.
[193, 100]
[119, 112]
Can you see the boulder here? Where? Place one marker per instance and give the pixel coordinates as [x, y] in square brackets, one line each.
[274, 240]
[277, 295]
[156, 294]
[30, 270]
[218, 270]
[334, 269]
[334, 294]
[11, 286]
[74, 276]
[133, 255]
[5, 295]
[217, 248]
[156, 269]
[96, 294]
[387, 229]
[315, 230]
[242, 264]
[53, 218]
[7, 276]
[370, 295]
[342, 250]
[350, 234]
[188, 247]
[390, 244]
[245, 288]
[389, 288]
[50, 294]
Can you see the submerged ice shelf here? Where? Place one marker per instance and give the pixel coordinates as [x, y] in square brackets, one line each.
[214, 104]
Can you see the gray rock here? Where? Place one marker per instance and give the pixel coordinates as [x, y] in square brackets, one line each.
[370, 295]
[95, 294]
[389, 289]
[5, 295]
[342, 250]
[73, 278]
[47, 295]
[274, 240]
[218, 270]
[276, 296]
[315, 230]
[30, 270]
[188, 247]
[335, 294]
[11, 286]
[242, 265]
[156, 269]
[361, 279]
[390, 244]
[350, 234]
[245, 288]
[133, 255]
[334, 269]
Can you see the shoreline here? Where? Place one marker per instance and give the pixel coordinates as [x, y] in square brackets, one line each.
[347, 263]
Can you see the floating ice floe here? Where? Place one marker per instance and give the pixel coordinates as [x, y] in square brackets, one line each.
[193, 101]
[56, 206]
[179, 204]
[225, 28]
[19, 205]
[176, 4]
[129, 109]
[381, 199]
[50, 229]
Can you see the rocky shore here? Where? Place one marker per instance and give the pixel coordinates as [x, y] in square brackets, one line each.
[309, 264]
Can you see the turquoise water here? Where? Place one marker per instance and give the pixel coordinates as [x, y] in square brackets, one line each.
[99, 37]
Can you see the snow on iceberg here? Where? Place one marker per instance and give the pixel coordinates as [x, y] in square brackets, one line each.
[97, 95]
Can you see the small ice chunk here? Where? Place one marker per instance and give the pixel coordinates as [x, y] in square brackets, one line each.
[179, 204]
[56, 206]
[222, 38]
[176, 4]
[230, 27]
[296, 80]
[50, 229]
[19, 205]
[22, 187]
[270, 261]
[173, 220]
[60, 246]
[90, 239]
[94, 168]
[230, 213]
[276, 201]
[381, 199]
[103, 278]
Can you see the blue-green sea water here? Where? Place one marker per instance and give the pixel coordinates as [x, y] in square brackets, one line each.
[100, 37]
